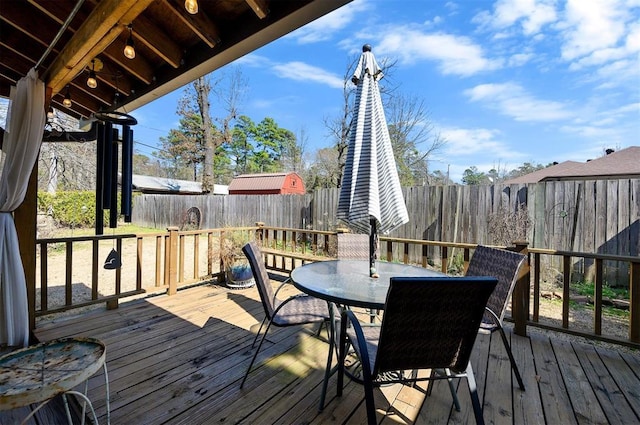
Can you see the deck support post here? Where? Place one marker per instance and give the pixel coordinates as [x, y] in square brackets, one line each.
[520, 296]
[171, 261]
[634, 305]
[25, 218]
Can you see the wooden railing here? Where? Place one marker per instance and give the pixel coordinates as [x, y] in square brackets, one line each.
[182, 258]
[453, 258]
[163, 261]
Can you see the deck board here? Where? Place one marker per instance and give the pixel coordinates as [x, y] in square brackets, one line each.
[583, 399]
[526, 404]
[179, 360]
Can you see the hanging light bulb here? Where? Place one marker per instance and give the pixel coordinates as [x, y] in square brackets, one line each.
[67, 99]
[191, 6]
[50, 113]
[91, 81]
[129, 50]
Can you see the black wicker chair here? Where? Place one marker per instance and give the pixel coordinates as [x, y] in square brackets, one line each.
[428, 323]
[296, 310]
[505, 266]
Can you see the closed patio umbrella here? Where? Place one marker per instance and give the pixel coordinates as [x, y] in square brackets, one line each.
[371, 198]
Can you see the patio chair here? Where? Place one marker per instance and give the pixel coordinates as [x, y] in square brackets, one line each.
[428, 323]
[355, 246]
[296, 310]
[352, 246]
[505, 266]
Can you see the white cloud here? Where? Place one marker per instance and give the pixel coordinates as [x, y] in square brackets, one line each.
[592, 25]
[476, 142]
[512, 100]
[300, 71]
[530, 15]
[433, 22]
[455, 54]
[325, 27]
[297, 71]
[253, 61]
[519, 59]
[465, 141]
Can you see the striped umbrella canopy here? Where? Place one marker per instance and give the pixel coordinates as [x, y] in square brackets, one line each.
[371, 199]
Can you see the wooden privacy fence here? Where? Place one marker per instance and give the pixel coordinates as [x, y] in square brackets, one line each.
[594, 216]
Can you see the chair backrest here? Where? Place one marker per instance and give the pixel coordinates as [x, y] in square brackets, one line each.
[503, 265]
[256, 261]
[431, 322]
[352, 246]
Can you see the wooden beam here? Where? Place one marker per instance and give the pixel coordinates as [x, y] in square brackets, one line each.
[260, 7]
[147, 33]
[139, 67]
[199, 23]
[103, 26]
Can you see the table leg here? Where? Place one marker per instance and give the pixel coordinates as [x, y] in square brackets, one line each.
[332, 345]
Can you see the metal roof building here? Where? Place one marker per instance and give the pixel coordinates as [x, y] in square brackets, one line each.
[160, 185]
[267, 184]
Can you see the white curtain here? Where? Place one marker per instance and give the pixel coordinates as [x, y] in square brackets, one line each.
[21, 144]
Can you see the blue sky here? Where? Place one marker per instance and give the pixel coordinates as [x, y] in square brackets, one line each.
[505, 82]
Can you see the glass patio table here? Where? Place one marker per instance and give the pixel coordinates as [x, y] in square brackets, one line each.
[347, 283]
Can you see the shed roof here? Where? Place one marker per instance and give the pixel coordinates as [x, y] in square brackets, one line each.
[258, 182]
[620, 164]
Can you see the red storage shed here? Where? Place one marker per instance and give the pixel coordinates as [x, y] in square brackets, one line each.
[267, 184]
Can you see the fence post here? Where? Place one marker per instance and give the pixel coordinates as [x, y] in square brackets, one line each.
[520, 296]
[171, 261]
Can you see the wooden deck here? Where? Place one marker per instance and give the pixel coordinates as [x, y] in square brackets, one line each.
[179, 360]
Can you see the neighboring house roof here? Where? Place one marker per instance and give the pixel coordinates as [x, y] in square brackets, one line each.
[262, 183]
[150, 184]
[621, 164]
[539, 175]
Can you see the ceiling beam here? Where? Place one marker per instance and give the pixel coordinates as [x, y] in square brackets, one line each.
[260, 7]
[101, 28]
[158, 41]
[200, 23]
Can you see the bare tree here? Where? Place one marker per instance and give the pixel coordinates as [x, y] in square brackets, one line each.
[413, 137]
[411, 131]
[338, 126]
[229, 91]
[202, 87]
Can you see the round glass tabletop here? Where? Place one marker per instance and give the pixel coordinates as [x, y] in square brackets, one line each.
[347, 282]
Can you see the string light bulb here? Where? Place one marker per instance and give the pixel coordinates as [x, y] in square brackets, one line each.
[129, 49]
[91, 81]
[67, 99]
[191, 6]
[50, 113]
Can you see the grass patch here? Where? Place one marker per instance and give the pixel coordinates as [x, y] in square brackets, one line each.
[588, 288]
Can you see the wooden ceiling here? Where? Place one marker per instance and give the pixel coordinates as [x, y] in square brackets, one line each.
[173, 47]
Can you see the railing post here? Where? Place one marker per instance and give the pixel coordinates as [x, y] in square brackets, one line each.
[171, 261]
[259, 231]
[634, 304]
[520, 296]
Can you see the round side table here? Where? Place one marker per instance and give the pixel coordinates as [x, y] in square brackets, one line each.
[38, 373]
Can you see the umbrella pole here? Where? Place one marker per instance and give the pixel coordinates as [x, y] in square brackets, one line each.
[373, 248]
